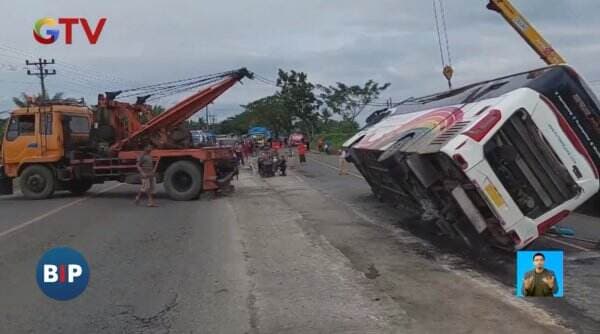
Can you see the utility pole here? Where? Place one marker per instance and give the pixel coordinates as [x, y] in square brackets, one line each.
[207, 124]
[41, 73]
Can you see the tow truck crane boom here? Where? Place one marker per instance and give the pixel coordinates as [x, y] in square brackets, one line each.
[183, 110]
[527, 31]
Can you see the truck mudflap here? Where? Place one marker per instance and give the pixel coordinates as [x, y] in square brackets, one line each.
[6, 183]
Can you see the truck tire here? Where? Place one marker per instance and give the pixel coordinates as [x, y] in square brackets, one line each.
[80, 187]
[37, 182]
[183, 180]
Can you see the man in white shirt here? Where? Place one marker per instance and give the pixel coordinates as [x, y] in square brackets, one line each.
[342, 162]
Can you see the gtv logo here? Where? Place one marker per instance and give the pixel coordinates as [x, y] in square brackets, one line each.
[62, 273]
[44, 31]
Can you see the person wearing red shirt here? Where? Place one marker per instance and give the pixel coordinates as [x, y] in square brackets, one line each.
[302, 152]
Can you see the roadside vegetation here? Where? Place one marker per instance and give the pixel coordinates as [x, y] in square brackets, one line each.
[330, 112]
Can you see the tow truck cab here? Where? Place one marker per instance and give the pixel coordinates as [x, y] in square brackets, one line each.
[499, 161]
[40, 134]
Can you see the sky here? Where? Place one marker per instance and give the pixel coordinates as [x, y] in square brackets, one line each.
[350, 41]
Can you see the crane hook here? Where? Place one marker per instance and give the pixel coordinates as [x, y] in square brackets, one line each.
[448, 71]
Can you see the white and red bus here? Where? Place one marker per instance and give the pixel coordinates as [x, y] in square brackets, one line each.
[499, 161]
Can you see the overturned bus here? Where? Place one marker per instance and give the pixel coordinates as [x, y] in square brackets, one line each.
[493, 163]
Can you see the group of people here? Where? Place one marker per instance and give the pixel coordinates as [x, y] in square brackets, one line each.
[269, 162]
[247, 148]
[243, 150]
[272, 161]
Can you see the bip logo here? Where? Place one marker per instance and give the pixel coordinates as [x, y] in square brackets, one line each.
[62, 273]
[50, 34]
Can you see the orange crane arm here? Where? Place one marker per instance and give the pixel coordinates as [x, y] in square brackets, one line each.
[527, 31]
[183, 110]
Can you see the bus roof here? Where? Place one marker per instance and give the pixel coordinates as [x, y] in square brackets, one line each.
[477, 91]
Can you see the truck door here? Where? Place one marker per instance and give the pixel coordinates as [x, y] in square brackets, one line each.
[21, 139]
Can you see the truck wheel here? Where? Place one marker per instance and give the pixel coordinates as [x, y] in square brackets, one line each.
[37, 182]
[183, 180]
[80, 187]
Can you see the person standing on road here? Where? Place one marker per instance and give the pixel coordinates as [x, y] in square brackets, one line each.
[539, 282]
[302, 152]
[342, 162]
[246, 149]
[238, 153]
[147, 171]
[282, 165]
[320, 144]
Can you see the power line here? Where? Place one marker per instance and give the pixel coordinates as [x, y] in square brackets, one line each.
[83, 70]
[169, 88]
[74, 78]
[265, 80]
[166, 83]
[17, 82]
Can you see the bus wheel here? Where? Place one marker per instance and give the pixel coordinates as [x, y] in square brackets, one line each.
[37, 182]
[80, 187]
[183, 180]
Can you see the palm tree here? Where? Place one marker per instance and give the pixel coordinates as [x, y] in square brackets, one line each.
[25, 100]
[157, 110]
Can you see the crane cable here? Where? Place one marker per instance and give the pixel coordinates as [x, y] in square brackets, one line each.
[446, 59]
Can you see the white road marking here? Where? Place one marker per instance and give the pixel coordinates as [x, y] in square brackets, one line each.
[583, 256]
[335, 168]
[567, 243]
[53, 211]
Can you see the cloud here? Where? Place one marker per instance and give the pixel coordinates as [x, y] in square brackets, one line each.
[334, 40]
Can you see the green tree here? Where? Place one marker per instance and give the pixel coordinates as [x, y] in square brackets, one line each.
[271, 112]
[198, 124]
[298, 97]
[232, 125]
[326, 117]
[350, 101]
[157, 110]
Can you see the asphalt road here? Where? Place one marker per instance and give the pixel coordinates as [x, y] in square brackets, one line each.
[578, 310]
[312, 252]
[152, 269]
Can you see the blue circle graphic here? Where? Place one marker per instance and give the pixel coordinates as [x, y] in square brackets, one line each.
[62, 273]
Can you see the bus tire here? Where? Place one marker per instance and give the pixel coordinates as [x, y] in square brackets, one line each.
[37, 182]
[183, 180]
